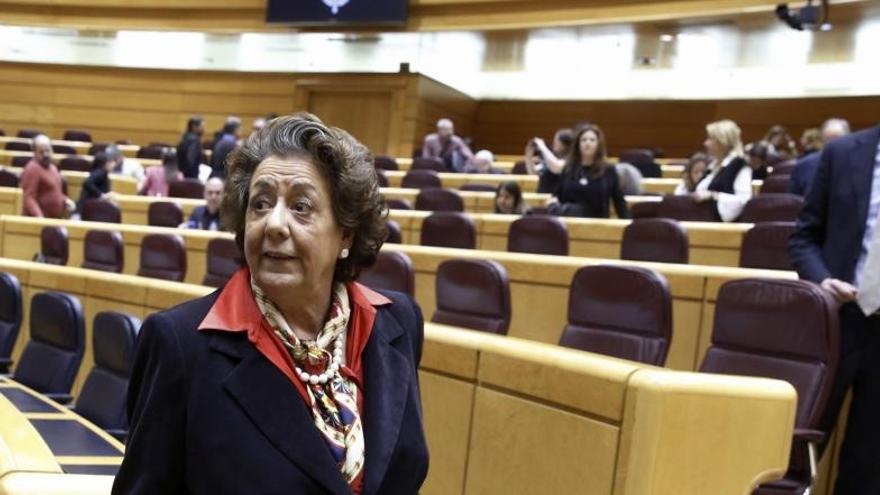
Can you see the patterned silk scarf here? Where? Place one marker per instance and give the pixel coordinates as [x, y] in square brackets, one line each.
[335, 403]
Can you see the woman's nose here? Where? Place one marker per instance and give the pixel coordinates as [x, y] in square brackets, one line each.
[276, 223]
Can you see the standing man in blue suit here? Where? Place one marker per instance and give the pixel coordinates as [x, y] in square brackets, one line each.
[806, 166]
[837, 244]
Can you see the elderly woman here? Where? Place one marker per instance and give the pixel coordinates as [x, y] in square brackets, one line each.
[729, 181]
[292, 378]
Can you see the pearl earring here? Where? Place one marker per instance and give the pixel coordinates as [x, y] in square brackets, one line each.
[344, 253]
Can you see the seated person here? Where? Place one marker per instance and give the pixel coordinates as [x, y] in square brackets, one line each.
[780, 143]
[805, 169]
[445, 145]
[757, 153]
[207, 217]
[547, 163]
[122, 165]
[693, 173]
[509, 199]
[729, 182]
[630, 179]
[97, 184]
[811, 141]
[41, 184]
[588, 183]
[483, 163]
[158, 178]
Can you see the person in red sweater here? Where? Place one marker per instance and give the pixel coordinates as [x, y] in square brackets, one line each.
[42, 192]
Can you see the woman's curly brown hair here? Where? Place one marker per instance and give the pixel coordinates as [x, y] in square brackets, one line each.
[345, 164]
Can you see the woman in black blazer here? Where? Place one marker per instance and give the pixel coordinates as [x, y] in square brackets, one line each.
[588, 183]
[292, 378]
[97, 184]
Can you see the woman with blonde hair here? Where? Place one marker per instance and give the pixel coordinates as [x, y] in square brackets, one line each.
[729, 181]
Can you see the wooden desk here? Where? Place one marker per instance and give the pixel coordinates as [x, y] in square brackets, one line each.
[649, 430]
[82, 148]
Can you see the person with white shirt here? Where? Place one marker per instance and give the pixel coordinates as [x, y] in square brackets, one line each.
[837, 244]
[729, 181]
[125, 166]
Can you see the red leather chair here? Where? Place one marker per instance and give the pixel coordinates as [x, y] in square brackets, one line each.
[10, 317]
[420, 179]
[436, 199]
[434, 164]
[223, 261]
[784, 168]
[655, 239]
[20, 161]
[103, 250]
[477, 187]
[398, 204]
[76, 164]
[97, 148]
[395, 236]
[186, 188]
[620, 311]
[787, 330]
[538, 234]
[519, 168]
[78, 135]
[99, 210]
[684, 208]
[8, 179]
[392, 270]
[766, 246]
[473, 294]
[54, 245]
[381, 178]
[449, 229]
[29, 133]
[163, 256]
[775, 184]
[642, 159]
[644, 209]
[164, 214]
[151, 152]
[63, 149]
[382, 162]
[18, 146]
[772, 207]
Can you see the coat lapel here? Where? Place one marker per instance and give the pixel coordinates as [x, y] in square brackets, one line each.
[276, 408]
[863, 156]
[386, 387]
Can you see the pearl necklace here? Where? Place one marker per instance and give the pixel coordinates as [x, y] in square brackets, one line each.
[332, 367]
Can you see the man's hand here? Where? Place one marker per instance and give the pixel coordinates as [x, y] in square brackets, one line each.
[840, 290]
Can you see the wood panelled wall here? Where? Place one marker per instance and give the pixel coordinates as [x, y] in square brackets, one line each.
[389, 113]
[677, 127]
[424, 15]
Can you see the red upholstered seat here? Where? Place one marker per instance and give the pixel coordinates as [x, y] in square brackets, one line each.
[103, 250]
[54, 245]
[186, 188]
[436, 199]
[163, 256]
[393, 270]
[473, 294]
[538, 234]
[772, 207]
[766, 246]
[99, 210]
[435, 164]
[655, 239]
[75, 163]
[164, 214]
[78, 135]
[223, 260]
[420, 179]
[684, 208]
[449, 229]
[775, 184]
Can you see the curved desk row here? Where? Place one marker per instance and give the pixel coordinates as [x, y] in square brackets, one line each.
[505, 415]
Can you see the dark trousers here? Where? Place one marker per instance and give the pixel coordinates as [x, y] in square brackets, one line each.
[859, 370]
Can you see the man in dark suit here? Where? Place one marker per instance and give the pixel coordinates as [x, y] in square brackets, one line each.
[805, 169]
[837, 244]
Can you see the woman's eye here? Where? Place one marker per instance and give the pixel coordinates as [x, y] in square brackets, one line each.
[302, 206]
[260, 204]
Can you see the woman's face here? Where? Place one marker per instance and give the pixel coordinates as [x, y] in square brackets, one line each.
[588, 143]
[291, 238]
[713, 148]
[697, 171]
[505, 201]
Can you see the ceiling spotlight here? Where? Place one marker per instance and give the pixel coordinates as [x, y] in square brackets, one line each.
[667, 38]
[826, 26]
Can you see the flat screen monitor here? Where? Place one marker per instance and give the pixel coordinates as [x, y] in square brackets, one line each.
[336, 12]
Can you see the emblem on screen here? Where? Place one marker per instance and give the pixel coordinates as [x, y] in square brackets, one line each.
[335, 5]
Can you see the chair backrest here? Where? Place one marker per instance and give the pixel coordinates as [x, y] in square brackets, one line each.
[449, 229]
[150, 152]
[775, 184]
[766, 246]
[163, 256]
[395, 236]
[78, 135]
[10, 316]
[8, 179]
[784, 168]
[636, 156]
[430, 163]
[685, 208]
[782, 329]
[398, 204]
[620, 311]
[772, 207]
[654, 239]
[538, 234]
[102, 398]
[186, 188]
[473, 294]
[18, 146]
[420, 179]
[53, 354]
[97, 148]
[644, 209]
[103, 250]
[519, 168]
[164, 214]
[383, 162]
[382, 178]
[63, 149]
[75, 163]
[477, 187]
[99, 210]
[20, 161]
[223, 258]
[54, 245]
[436, 199]
[393, 270]
[29, 133]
